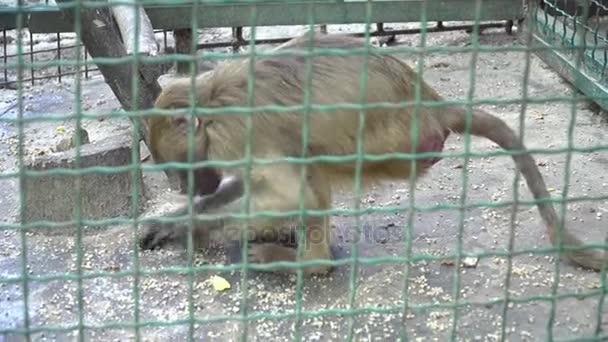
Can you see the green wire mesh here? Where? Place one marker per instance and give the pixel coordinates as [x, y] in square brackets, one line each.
[575, 48]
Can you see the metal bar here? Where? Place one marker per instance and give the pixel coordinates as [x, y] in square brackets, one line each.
[237, 39]
[576, 76]
[32, 57]
[59, 56]
[5, 55]
[86, 65]
[384, 32]
[296, 13]
[437, 28]
[595, 65]
[183, 40]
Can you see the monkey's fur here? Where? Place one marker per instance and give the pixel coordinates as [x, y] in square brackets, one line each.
[281, 80]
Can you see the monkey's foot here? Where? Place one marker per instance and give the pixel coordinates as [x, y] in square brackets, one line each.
[268, 253]
[157, 235]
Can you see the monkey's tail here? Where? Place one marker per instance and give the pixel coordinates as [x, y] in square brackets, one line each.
[489, 126]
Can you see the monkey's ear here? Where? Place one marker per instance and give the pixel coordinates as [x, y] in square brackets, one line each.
[182, 122]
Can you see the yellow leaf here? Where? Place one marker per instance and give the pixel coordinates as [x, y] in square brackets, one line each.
[60, 129]
[219, 283]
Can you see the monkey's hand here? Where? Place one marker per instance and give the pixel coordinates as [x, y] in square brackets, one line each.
[229, 190]
[159, 234]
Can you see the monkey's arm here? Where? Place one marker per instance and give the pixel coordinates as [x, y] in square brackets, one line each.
[229, 190]
[270, 189]
[157, 234]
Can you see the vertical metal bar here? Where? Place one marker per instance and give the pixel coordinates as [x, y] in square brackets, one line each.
[5, 56]
[136, 158]
[358, 171]
[190, 47]
[237, 38]
[86, 64]
[516, 194]
[595, 31]
[248, 156]
[466, 133]
[59, 56]
[77, 161]
[25, 282]
[32, 57]
[183, 40]
[576, 81]
[605, 57]
[509, 27]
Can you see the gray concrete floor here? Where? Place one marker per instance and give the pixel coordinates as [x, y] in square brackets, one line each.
[380, 288]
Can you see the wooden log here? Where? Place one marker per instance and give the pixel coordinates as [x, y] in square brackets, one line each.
[100, 35]
[126, 17]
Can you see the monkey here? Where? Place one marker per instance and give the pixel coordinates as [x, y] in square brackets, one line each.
[282, 80]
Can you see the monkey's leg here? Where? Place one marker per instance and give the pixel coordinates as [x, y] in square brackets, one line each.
[317, 231]
[315, 248]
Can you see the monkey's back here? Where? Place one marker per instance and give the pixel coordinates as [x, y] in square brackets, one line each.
[331, 86]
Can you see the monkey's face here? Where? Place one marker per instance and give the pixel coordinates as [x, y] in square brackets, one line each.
[171, 141]
[172, 137]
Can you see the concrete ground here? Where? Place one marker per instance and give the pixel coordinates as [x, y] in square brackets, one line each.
[568, 309]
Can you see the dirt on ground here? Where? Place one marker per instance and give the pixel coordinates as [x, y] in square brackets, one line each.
[522, 298]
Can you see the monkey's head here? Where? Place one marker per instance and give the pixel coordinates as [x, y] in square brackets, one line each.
[171, 139]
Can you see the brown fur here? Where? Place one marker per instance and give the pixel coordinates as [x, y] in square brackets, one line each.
[335, 80]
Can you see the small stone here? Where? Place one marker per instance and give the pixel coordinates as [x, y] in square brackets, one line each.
[470, 262]
[71, 142]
